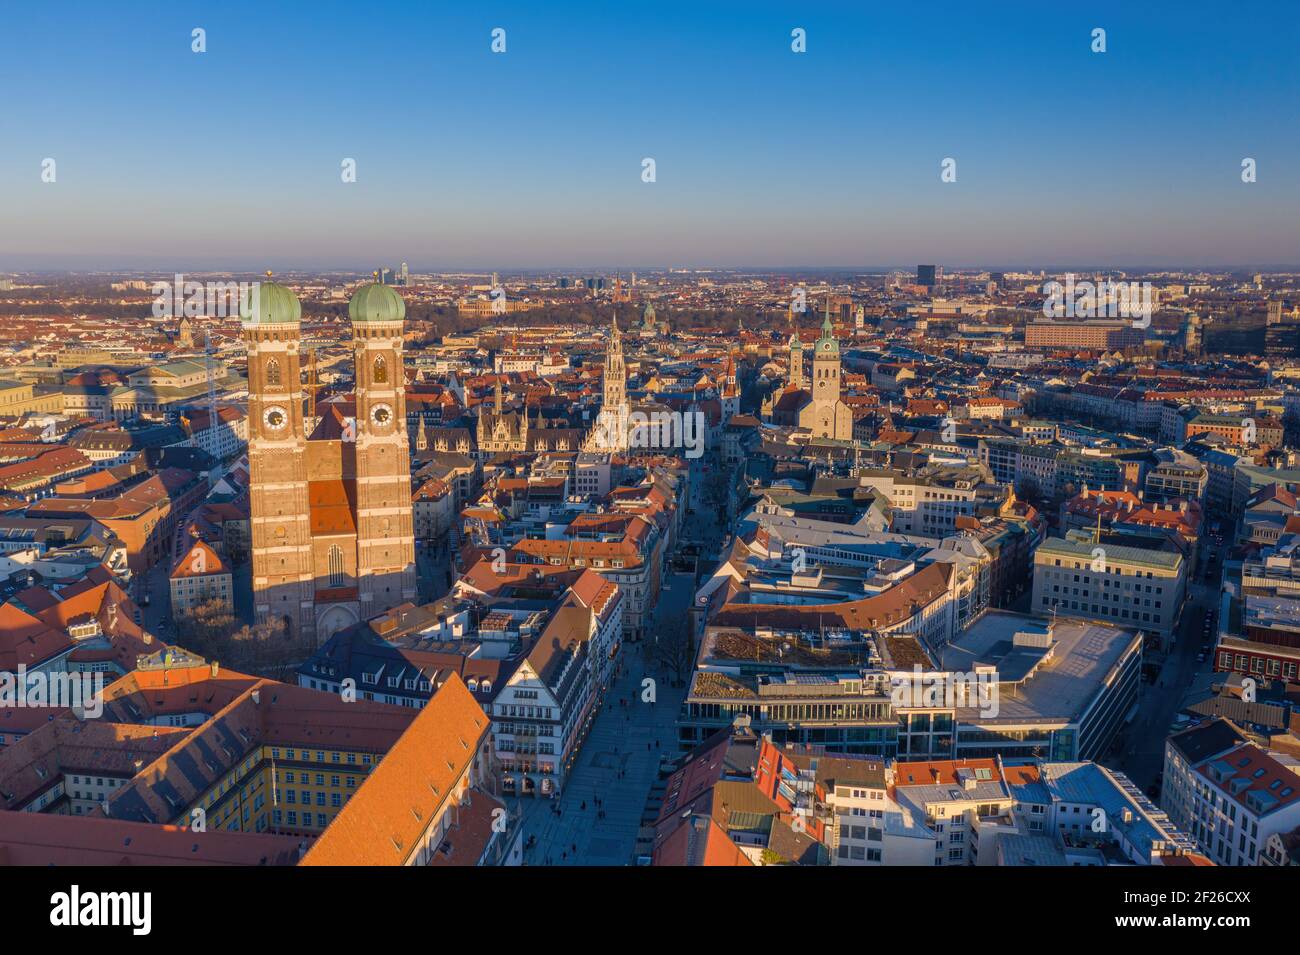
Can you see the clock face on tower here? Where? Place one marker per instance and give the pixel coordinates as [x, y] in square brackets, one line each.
[275, 417]
[381, 415]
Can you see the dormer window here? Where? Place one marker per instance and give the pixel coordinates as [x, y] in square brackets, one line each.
[84, 630]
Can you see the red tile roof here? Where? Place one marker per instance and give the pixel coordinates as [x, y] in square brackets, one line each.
[384, 822]
[332, 505]
[893, 606]
[199, 560]
[33, 838]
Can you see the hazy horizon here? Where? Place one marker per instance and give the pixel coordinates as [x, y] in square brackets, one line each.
[279, 268]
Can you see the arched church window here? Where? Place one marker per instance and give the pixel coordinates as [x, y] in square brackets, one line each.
[381, 371]
[336, 566]
[273, 372]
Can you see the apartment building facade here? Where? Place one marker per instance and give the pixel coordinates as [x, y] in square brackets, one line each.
[1128, 586]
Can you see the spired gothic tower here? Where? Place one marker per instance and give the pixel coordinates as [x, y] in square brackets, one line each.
[826, 415]
[283, 571]
[615, 372]
[796, 360]
[826, 364]
[611, 431]
[730, 391]
[385, 530]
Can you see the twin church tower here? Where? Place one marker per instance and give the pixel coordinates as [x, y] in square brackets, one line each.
[330, 499]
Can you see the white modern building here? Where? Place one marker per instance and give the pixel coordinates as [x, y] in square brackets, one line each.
[1228, 794]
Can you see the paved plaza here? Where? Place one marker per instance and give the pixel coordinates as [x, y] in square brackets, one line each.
[620, 759]
[617, 765]
[618, 762]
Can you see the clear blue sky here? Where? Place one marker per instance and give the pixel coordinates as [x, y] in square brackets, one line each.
[231, 158]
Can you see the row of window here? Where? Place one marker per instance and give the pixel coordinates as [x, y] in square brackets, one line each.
[98, 781]
[1107, 598]
[306, 756]
[291, 819]
[289, 776]
[1254, 664]
[291, 796]
[1105, 582]
[1100, 610]
[873, 794]
[525, 712]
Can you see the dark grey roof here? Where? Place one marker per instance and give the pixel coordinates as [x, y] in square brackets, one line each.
[1206, 739]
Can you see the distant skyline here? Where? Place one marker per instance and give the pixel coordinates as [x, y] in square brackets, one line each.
[580, 271]
[531, 159]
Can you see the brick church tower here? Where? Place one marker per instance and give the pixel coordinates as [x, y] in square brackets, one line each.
[385, 529]
[332, 533]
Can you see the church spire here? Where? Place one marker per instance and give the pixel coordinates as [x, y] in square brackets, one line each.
[610, 433]
[615, 383]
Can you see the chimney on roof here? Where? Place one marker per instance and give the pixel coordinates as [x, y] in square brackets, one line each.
[257, 697]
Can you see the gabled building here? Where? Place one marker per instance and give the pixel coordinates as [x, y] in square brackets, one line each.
[1231, 796]
[200, 576]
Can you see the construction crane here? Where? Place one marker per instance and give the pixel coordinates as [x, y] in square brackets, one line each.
[210, 360]
[313, 384]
